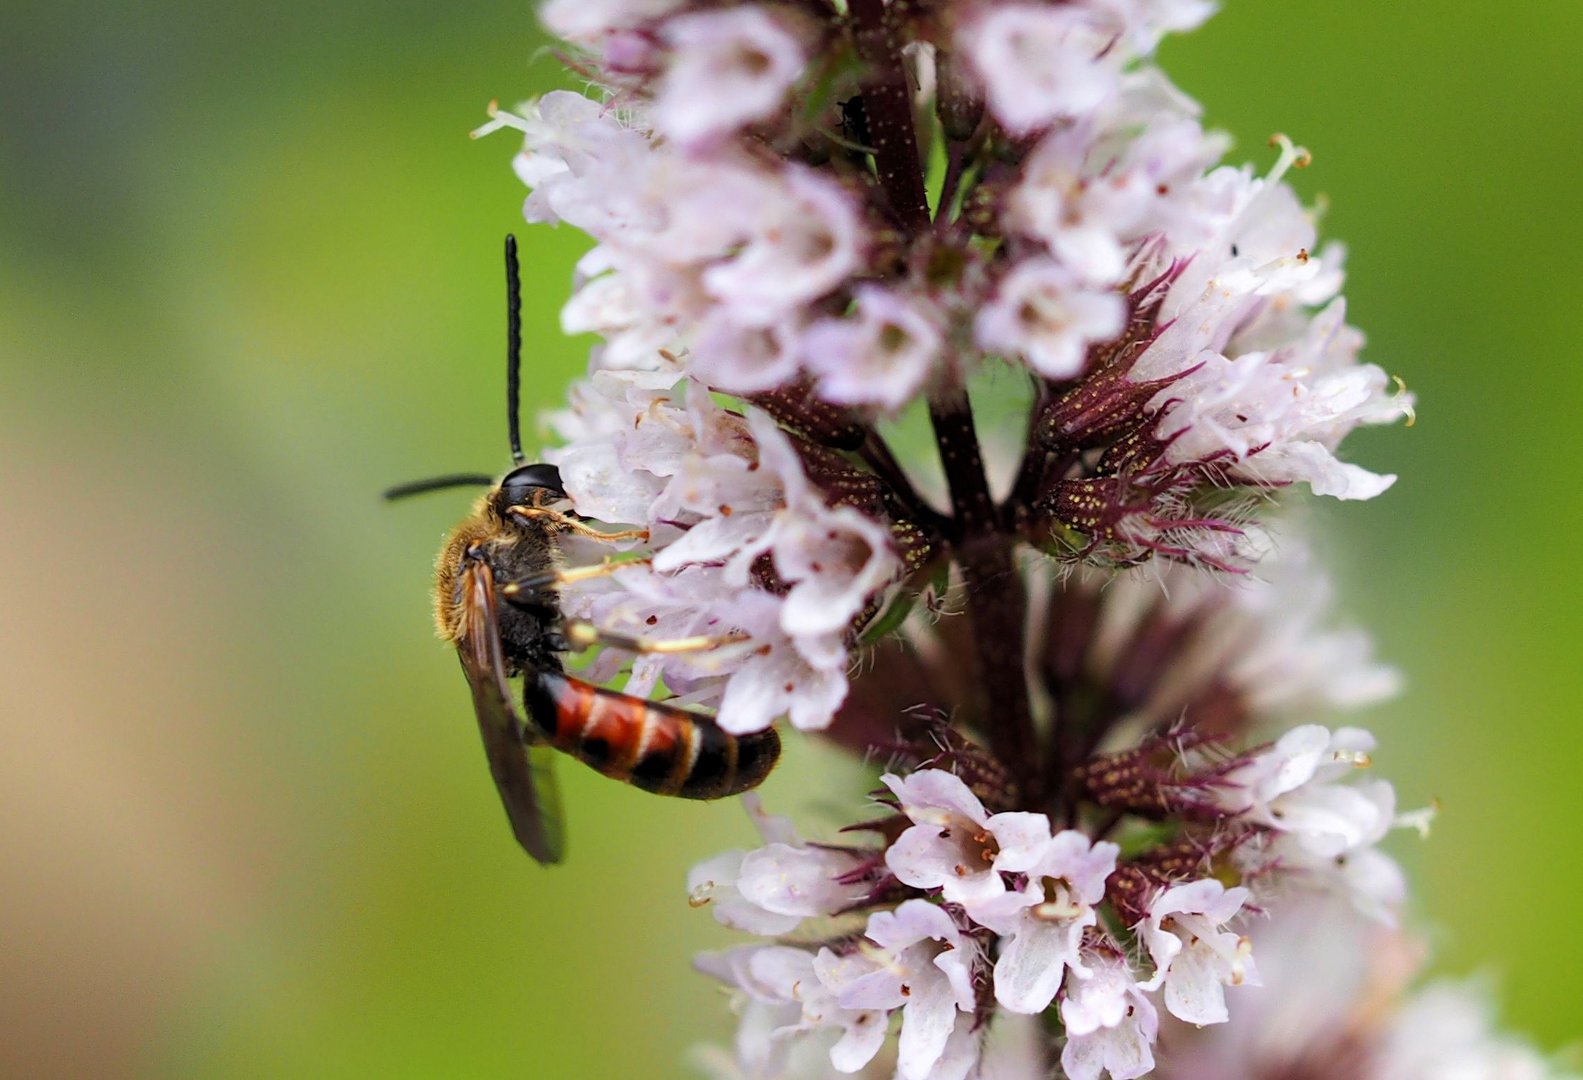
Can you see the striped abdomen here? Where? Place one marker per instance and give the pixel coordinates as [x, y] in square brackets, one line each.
[656, 747]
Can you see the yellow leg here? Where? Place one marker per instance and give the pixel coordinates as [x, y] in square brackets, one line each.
[571, 524]
[568, 576]
[581, 635]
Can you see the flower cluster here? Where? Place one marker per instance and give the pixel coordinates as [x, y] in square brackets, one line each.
[744, 543]
[1082, 638]
[1140, 897]
[764, 234]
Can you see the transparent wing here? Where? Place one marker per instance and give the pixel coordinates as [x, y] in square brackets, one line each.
[524, 772]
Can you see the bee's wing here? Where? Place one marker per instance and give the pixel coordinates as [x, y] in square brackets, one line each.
[523, 771]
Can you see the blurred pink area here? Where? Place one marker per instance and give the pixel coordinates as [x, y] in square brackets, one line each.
[138, 836]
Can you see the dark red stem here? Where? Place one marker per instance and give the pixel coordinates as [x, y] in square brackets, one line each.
[887, 103]
[997, 600]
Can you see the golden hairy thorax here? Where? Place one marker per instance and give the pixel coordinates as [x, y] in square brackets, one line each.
[485, 528]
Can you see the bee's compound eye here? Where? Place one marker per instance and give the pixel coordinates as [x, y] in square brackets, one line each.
[520, 484]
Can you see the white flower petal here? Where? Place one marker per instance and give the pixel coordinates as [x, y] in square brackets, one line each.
[859, 1043]
[928, 1019]
[796, 881]
[1033, 963]
[925, 794]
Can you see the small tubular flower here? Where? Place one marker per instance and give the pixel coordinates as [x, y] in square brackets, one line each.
[1040, 314]
[1110, 1023]
[881, 356]
[772, 889]
[1040, 64]
[727, 69]
[955, 845]
[922, 966]
[1042, 926]
[1194, 959]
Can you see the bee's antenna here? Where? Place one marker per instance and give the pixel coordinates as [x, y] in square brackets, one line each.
[513, 346]
[438, 483]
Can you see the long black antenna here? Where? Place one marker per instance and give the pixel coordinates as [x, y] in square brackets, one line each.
[513, 389]
[438, 483]
[513, 346]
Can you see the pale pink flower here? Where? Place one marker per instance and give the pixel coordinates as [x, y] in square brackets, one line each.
[772, 889]
[1335, 1001]
[1042, 313]
[727, 68]
[717, 493]
[587, 21]
[1041, 926]
[1446, 1032]
[881, 355]
[1361, 872]
[955, 845]
[1294, 786]
[605, 305]
[1194, 958]
[1319, 825]
[834, 558]
[1094, 189]
[804, 237]
[1062, 203]
[1039, 64]
[1110, 1023]
[745, 359]
[786, 997]
[924, 968]
[1149, 20]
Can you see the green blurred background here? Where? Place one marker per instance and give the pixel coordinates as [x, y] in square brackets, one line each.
[250, 276]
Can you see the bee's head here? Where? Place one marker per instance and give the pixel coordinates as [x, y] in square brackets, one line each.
[529, 485]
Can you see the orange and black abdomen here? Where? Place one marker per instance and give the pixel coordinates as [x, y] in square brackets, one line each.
[656, 747]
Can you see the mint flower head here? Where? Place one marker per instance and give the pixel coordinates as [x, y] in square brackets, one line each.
[809, 221]
[830, 239]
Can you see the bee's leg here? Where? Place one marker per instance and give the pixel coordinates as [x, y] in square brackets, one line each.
[570, 523]
[580, 634]
[565, 576]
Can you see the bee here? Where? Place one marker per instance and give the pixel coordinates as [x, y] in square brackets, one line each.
[497, 600]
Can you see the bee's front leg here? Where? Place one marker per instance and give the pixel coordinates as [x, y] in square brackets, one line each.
[573, 524]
